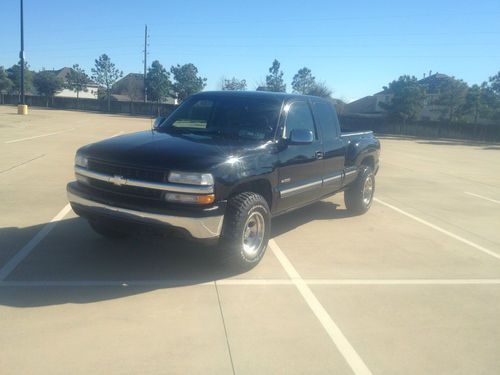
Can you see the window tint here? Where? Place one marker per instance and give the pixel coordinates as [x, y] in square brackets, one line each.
[299, 117]
[327, 119]
[237, 117]
[195, 116]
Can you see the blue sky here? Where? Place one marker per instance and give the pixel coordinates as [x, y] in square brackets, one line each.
[356, 47]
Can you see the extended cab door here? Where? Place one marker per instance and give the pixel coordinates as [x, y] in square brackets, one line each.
[334, 147]
[300, 165]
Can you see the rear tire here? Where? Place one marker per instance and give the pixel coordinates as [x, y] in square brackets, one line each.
[358, 197]
[108, 228]
[246, 231]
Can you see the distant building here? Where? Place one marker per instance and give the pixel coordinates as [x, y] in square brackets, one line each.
[92, 87]
[370, 105]
[131, 89]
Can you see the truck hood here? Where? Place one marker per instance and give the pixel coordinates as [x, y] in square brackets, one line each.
[154, 149]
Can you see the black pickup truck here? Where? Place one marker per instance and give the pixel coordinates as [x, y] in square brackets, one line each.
[221, 166]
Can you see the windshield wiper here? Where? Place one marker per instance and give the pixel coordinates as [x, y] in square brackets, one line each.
[186, 130]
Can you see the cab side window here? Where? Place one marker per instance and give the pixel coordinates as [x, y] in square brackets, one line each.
[299, 117]
[327, 118]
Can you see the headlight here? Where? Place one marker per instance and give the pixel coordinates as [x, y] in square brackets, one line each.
[81, 161]
[205, 179]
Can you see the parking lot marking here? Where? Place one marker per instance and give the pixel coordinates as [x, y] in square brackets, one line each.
[439, 229]
[481, 197]
[240, 282]
[26, 250]
[23, 163]
[38, 136]
[403, 282]
[338, 338]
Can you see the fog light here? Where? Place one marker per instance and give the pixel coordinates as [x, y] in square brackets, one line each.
[190, 198]
[82, 179]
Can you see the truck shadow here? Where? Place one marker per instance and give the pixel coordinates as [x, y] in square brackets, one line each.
[75, 265]
[322, 210]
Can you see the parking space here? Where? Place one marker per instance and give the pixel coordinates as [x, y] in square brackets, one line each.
[413, 286]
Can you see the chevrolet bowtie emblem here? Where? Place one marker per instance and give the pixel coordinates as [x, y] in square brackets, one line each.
[118, 180]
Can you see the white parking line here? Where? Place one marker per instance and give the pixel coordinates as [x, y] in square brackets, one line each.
[38, 136]
[26, 250]
[245, 282]
[117, 134]
[481, 197]
[23, 163]
[403, 282]
[439, 229]
[338, 338]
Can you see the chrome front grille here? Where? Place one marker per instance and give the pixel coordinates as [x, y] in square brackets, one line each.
[127, 172]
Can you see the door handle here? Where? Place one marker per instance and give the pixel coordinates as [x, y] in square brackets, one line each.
[319, 154]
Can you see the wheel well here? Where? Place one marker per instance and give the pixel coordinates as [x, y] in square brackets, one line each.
[262, 187]
[369, 161]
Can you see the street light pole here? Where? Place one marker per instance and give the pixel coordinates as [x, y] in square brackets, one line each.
[21, 54]
[145, 61]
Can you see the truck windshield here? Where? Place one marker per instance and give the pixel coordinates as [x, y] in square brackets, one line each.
[236, 117]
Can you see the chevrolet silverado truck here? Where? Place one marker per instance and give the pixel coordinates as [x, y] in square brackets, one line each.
[221, 166]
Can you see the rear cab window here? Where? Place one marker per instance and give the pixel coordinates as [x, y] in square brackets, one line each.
[327, 119]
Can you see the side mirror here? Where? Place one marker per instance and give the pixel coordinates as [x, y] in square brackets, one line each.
[301, 137]
[158, 121]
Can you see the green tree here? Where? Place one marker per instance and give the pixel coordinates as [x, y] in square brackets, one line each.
[478, 102]
[451, 96]
[319, 89]
[186, 80]
[14, 74]
[158, 82]
[47, 84]
[77, 80]
[234, 84]
[106, 74]
[407, 100]
[494, 83]
[494, 88]
[303, 81]
[5, 83]
[274, 80]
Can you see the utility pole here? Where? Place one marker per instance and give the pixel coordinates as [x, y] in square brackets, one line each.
[145, 61]
[21, 54]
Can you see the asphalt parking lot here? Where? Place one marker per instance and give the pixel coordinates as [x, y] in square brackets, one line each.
[411, 287]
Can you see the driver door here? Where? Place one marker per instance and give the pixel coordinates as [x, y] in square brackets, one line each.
[300, 165]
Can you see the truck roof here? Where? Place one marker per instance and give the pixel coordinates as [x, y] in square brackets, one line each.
[257, 94]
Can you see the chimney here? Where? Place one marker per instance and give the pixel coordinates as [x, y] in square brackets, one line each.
[430, 73]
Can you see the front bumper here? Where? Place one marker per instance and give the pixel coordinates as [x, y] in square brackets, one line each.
[205, 226]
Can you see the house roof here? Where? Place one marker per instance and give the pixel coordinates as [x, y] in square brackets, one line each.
[137, 78]
[368, 104]
[363, 105]
[63, 72]
[428, 81]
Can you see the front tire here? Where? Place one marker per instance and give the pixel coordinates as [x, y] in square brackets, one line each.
[358, 197]
[246, 230]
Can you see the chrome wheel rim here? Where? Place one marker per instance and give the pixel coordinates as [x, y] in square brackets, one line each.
[253, 234]
[368, 190]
